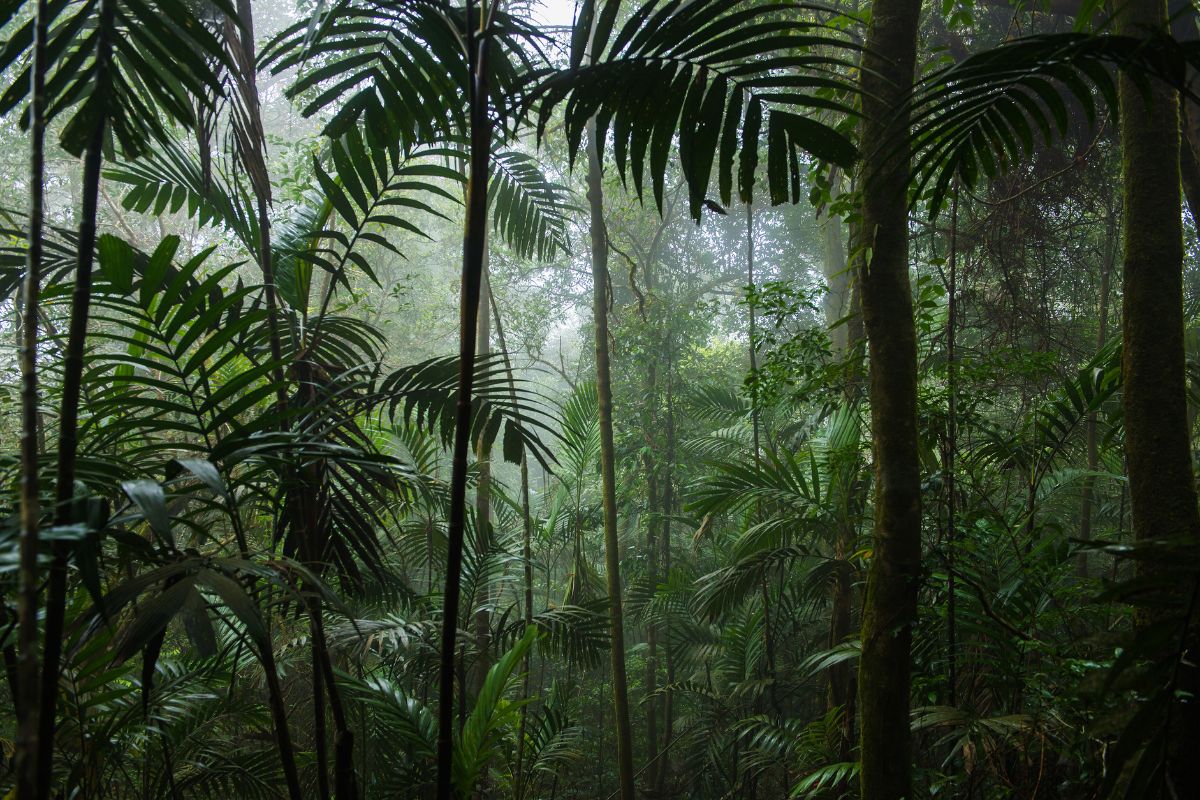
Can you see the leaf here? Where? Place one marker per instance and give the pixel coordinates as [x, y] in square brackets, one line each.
[240, 603]
[687, 71]
[480, 734]
[152, 617]
[148, 496]
[116, 261]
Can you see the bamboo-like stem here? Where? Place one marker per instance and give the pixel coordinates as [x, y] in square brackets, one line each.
[526, 555]
[1091, 429]
[756, 421]
[608, 475]
[951, 447]
[68, 418]
[474, 243]
[483, 495]
[27, 741]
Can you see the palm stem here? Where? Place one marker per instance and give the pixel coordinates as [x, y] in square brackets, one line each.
[27, 748]
[68, 436]
[474, 243]
[612, 554]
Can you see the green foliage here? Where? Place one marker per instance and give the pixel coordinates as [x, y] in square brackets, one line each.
[163, 57]
[708, 72]
[977, 119]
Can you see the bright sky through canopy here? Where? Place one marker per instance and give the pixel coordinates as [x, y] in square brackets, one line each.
[555, 12]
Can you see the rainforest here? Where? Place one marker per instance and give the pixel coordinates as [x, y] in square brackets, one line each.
[599, 399]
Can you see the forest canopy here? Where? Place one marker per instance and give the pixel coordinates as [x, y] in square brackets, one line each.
[649, 399]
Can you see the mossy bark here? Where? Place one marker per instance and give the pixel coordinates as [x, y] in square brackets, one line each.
[889, 607]
[1154, 397]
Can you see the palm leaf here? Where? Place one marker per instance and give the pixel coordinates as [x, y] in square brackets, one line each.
[710, 72]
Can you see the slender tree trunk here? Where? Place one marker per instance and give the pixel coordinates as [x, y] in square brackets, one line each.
[241, 45]
[652, 554]
[68, 435]
[28, 774]
[483, 515]
[345, 786]
[652, 703]
[526, 555]
[838, 281]
[1091, 430]
[483, 496]
[843, 677]
[668, 504]
[474, 245]
[948, 460]
[608, 473]
[756, 428]
[843, 337]
[889, 609]
[320, 733]
[1154, 397]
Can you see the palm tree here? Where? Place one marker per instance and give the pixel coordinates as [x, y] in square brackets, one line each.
[106, 85]
[612, 547]
[27, 746]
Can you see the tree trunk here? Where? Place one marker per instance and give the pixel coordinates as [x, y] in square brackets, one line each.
[652, 553]
[474, 245]
[483, 513]
[889, 608]
[28, 774]
[948, 462]
[608, 473]
[663, 769]
[1154, 398]
[240, 42]
[836, 304]
[756, 431]
[483, 495]
[68, 431]
[1091, 430]
[527, 557]
[844, 340]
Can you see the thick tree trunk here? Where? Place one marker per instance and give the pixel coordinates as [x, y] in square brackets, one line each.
[889, 608]
[608, 469]
[25, 690]
[1154, 398]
